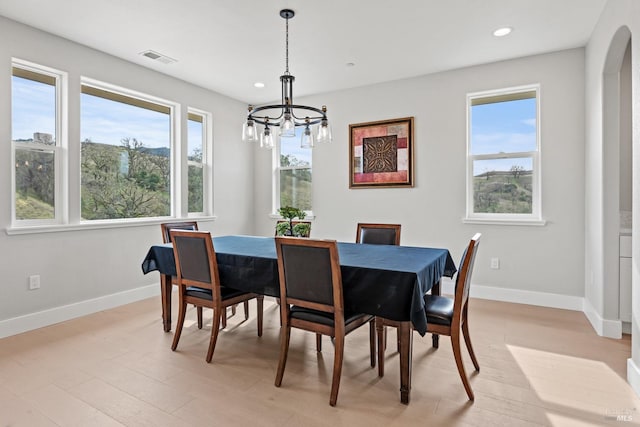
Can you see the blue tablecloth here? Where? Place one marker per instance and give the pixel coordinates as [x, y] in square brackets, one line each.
[384, 280]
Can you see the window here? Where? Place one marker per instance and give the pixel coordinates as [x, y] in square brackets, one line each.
[125, 154]
[503, 166]
[36, 136]
[293, 173]
[131, 166]
[197, 133]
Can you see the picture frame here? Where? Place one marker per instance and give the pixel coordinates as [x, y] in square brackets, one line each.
[381, 154]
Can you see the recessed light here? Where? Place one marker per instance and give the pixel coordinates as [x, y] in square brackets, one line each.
[258, 84]
[501, 32]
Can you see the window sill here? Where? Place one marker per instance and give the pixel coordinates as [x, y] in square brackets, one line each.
[308, 217]
[96, 225]
[505, 221]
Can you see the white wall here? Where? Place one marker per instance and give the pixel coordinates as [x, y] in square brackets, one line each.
[546, 259]
[80, 266]
[619, 18]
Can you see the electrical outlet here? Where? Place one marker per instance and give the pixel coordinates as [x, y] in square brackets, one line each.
[495, 263]
[34, 282]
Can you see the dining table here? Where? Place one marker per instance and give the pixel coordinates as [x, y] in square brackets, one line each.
[383, 280]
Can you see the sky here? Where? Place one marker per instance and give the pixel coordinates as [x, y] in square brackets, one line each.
[503, 127]
[496, 127]
[101, 120]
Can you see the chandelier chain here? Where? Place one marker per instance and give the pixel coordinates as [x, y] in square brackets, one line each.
[287, 47]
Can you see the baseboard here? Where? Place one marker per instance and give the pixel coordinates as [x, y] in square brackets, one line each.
[633, 376]
[51, 316]
[603, 327]
[518, 296]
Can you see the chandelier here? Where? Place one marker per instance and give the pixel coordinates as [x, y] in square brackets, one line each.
[286, 116]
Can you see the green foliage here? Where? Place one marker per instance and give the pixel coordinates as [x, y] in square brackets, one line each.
[28, 207]
[126, 181]
[295, 188]
[289, 227]
[289, 212]
[503, 192]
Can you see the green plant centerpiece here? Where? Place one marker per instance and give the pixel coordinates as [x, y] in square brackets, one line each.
[289, 227]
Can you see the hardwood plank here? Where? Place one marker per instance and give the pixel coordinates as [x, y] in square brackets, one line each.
[539, 367]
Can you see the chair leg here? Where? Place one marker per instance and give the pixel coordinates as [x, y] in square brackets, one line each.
[260, 302]
[318, 342]
[467, 341]
[199, 311]
[176, 336]
[372, 342]
[233, 310]
[435, 340]
[457, 354]
[380, 333]
[285, 335]
[217, 314]
[337, 369]
[246, 310]
[224, 318]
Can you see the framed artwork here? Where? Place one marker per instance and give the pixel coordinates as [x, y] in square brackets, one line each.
[381, 154]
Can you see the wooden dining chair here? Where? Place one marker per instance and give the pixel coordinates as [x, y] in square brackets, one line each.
[380, 234]
[166, 238]
[199, 283]
[449, 315]
[311, 299]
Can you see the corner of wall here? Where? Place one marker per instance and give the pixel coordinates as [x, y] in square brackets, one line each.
[603, 327]
[633, 376]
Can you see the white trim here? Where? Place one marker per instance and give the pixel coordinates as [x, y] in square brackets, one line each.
[207, 161]
[603, 327]
[505, 221]
[54, 315]
[61, 174]
[633, 376]
[101, 224]
[519, 296]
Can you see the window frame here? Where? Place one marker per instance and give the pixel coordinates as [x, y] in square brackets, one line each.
[533, 218]
[68, 157]
[207, 163]
[120, 94]
[276, 169]
[60, 149]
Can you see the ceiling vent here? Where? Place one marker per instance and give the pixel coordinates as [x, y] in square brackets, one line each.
[152, 54]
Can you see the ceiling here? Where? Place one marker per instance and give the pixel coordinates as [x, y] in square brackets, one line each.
[228, 45]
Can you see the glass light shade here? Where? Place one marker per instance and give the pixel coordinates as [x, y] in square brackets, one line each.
[266, 139]
[324, 132]
[249, 131]
[287, 127]
[307, 138]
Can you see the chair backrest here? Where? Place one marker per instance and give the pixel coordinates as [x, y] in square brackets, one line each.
[309, 271]
[183, 225]
[463, 280]
[195, 259]
[378, 234]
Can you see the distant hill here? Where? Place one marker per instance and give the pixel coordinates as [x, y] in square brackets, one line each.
[503, 192]
[160, 151]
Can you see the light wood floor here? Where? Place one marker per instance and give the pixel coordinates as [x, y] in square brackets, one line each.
[539, 366]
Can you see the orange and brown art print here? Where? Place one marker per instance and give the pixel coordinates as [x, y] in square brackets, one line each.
[381, 154]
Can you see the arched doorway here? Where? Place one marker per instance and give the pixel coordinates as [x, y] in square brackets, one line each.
[617, 173]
